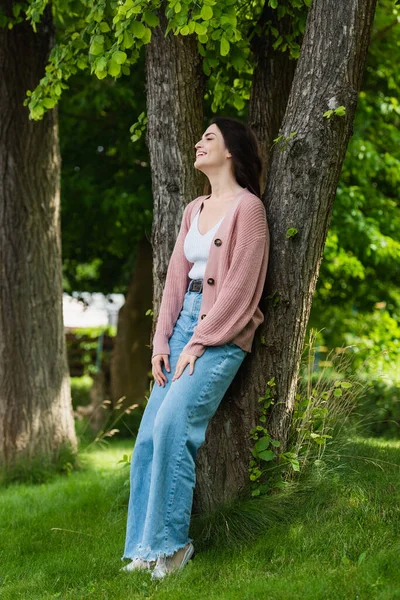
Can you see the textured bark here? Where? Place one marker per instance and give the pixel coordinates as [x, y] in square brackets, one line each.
[300, 193]
[35, 403]
[302, 186]
[175, 91]
[130, 358]
[271, 84]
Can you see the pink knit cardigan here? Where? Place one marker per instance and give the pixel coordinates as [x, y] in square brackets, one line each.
[233, 280]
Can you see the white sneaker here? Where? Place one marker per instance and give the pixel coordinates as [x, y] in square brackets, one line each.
[167, 564]
[139, 564]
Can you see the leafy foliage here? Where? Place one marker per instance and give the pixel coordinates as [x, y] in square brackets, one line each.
[357, 299]
[106, 37]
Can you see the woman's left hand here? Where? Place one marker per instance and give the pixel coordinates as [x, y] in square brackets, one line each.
[183, 360]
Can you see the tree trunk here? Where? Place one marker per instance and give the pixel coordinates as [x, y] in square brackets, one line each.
[302, 186]
[300, 193]
[271, 84]
[35, 402]
[175, 91]
[131, 353]
[224, 455]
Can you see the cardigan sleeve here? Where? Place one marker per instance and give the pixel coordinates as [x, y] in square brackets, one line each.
[240, 293]
[175, 287]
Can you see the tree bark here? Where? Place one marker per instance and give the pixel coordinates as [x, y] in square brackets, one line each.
[271, 84]
[175, 91]
[302, 185]
[131, 353]
[300, 192]
[35, 402]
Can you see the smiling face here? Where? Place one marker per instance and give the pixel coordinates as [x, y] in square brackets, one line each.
[211, 151]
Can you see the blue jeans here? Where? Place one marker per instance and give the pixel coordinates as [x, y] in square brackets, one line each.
[172, 428]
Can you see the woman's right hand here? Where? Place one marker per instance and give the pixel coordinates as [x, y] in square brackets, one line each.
[157, 362]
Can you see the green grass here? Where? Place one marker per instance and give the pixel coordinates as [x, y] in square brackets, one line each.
[333, 537]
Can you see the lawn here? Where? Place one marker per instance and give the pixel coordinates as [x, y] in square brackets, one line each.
[335, 538]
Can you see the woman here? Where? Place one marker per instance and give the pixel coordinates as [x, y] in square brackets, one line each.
[208, 316]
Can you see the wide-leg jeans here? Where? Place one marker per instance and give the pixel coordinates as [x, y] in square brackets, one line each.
[172, 429]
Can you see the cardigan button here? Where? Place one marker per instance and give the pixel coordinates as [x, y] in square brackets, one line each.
[202, 316]
[217, 242]
[210, 280]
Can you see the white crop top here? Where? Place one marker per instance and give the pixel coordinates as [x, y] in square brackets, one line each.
[197, 247]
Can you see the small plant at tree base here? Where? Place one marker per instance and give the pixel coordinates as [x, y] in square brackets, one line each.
[321, 410]
[262, 451]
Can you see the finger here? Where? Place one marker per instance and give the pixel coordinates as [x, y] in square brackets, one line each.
[156, 377]
[167, 365]
[180, 368]
[160, 375]
[176, 374]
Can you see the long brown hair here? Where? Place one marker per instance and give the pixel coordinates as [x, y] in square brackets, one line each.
[242, 143]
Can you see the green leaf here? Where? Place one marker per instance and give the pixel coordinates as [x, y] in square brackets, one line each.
[119, 57]
[262, 443]
[96, 49]
[206, 13]
[238, 60]
[266, 455]
[340, 110]
[345, 385]
[147, 36]
[101, 64]
[128, 40]
[114, 68]
[277, 42]
[291, 232]
[151, 19]
[49, 102]
[200, 28]
[224, 46]
[138, 29]
[104, 27]
[101, 74]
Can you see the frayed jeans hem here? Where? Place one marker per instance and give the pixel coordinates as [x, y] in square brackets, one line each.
[146, 553]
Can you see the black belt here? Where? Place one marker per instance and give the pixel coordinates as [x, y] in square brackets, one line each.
[195, 285]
